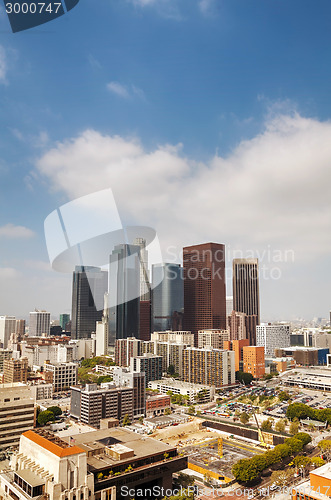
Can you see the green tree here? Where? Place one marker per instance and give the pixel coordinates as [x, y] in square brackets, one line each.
[191, 410]
[244, 471]
[171, 370]
[304, 437]
[245, 378]
[301, 462]
[185, 480]
[267, 424]
[167, 411]
[295, 444]
[300, 411]
[126, 420]
[244, 417]
[284, 396]
[294, 427]
[280, 425]
[325, 447]
[103, 379]
[56, 410]
[44, 417]
[317, 461]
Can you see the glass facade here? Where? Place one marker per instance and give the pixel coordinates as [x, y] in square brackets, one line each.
[167, 297]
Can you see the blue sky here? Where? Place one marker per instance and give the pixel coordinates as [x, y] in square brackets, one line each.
[209, 120]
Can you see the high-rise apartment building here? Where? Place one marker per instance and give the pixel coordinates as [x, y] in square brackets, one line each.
[124, 292]
[150, 364]
[39, 324]
[88, 288]
[209, 366]
[20, 328]
[17, 413]
[124, 377]
[272, 337]
[125, 349]
[15, 370]
[172, 355]
[167, 296]
[204, 287]
[229, 305]
[253, 361]
[92, 403]
[212, 338]
[237, 347]
[64, 320]
[7, 327]
[246, 297]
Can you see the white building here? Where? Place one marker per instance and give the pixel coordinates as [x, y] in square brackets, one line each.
[184, 388]
[41, 392]
[212, 338]
[7, 327]
[64, 375]
[179, 337]
[272, 337]
[39, 324]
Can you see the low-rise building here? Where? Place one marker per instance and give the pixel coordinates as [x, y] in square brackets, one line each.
[195, 392]
[253, 361]
[62, 375]
[15, 370]
[109, 464]
[156, 405]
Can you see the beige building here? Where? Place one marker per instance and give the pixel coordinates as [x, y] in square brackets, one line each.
[63, 375]
[209, 366]
[212, 338]
[17, 413]
[15, 370]
[237, 326]
[180, 337]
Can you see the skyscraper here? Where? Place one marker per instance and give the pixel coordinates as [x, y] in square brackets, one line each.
[167, 297]
[88, 288]
[246, 297]
[64, 319]
[204, 287]
[7, 327]
[144, 274]
[39, 323]
[124, 292]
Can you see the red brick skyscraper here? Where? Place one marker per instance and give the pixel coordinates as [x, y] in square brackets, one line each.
[204, 287]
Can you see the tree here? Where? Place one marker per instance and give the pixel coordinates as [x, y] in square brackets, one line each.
[171, 370]
[300, 411]
[317, 461]
[283, 449]
[267, 424]
[167, 411]
[126, 420]
[325, 447]
[281, 477]
[244, 417]
[191, 410]
[295, 444]
[280, 425]
[284, 396]
[244, 471]
[294, 427]
[304, 437]
[245, 378]
[56, 410]
[44, 417]
[301, 462]
[185, 480]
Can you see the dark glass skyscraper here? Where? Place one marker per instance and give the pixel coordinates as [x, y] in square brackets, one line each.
[88, 289]
[167, 297]
[124, 292]
[204, 287]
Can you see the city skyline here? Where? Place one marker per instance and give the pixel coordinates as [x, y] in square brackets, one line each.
[224, 136]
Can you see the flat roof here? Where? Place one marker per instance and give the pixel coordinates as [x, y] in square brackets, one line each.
[30, 477]
[53, 444]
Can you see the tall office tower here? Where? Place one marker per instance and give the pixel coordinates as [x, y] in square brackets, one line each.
[125, 349]
[64, 320]
[15, 370]
[204, 287]
[124, 293]
[246, 297]
[39, 324]
[229, 305]
[253, 360]
[237, 347]
[145, 320]
[208, 366]
[212, 338]
[272, 337]
[144, 274]
[101, 332]
[237, 325]
[7, 327]
[88, 288]
[167, 296]
[20, 329]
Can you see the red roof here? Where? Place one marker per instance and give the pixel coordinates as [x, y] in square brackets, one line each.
[52, 447]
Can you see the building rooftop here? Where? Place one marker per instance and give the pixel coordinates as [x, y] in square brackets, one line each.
[30, 477]
[180, 383]
[52, 443]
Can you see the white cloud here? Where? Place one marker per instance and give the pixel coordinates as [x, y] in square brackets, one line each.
[124, 91]
[7, 273]
[3, 65]
[9, 231]
[271, 190]
[167, 9]
[205, 6]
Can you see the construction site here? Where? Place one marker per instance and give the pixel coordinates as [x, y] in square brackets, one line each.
[211, 454]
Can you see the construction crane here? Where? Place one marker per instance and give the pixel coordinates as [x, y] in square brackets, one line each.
[220, 447]
[261, 436]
